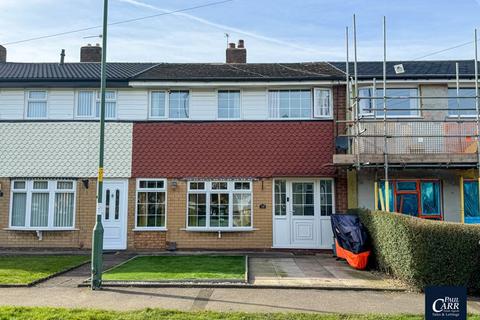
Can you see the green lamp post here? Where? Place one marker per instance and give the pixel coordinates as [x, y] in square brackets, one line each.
[97, 238]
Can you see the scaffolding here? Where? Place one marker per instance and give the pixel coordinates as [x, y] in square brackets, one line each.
[379, 140]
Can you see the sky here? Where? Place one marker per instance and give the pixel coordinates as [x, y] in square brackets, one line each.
[273, 30]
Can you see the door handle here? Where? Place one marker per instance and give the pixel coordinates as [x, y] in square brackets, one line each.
[288, 199]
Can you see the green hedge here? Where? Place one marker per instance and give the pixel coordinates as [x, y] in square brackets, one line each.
[423, 252]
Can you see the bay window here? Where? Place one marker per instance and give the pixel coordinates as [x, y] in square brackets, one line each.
[151, 203]
[88, 104]
[402, 104]
[42, 204]
[219, 204]
[36, 104]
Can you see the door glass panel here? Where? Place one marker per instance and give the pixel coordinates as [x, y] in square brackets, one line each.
[470, 195]
[302, 199]
[280, 198]
[117, 204]
[407, 204]
[107, 204]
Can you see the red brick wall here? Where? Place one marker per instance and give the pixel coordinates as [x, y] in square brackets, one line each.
[341, 200]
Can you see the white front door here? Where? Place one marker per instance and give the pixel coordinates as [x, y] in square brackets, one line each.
[301, 215]
[114, 214]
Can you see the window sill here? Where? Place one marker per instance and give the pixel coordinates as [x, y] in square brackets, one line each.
[216, 230]
[148, 229]
[40, 229]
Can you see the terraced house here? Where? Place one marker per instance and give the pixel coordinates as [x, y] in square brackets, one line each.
[220, 156]
[420, 135]
[229, 155]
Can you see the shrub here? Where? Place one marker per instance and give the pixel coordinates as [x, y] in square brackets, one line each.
[424, 252]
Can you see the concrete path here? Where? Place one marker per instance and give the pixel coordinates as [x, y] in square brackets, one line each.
[248, 300]
[320, 270]
[63, 292]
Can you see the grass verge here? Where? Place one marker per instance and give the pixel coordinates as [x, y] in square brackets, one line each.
[41, 313]
[180, 268]
[22, 270]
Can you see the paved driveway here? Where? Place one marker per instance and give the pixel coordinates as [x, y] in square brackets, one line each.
[320, 270]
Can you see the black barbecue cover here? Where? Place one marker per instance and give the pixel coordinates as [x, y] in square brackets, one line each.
[350, 233]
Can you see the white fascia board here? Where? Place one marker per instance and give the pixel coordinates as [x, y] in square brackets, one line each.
[216, 84]
[379, 81]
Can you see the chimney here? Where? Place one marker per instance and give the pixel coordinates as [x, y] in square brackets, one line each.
[62, 57]
[3, 54]
[237, 54]
[91, 53]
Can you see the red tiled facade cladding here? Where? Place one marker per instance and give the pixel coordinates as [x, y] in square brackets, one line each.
[233, 149]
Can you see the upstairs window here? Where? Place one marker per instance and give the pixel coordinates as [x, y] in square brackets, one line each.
[402, 103]
[88, 104]
[36, 104]
[290, 104]
[157, 104]
[457, 106]
[322, 103]
[228, 104]
[178, 104]
[42, 204]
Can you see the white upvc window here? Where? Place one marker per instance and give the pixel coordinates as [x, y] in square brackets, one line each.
[88, 104]
[178, 104]
[151, 210]
[219, 205]
[173, 104]
[42, 204]
[228, 104]
[401, 102]
[36, 104]
[158, 103]
[290, 104]
[322, 103]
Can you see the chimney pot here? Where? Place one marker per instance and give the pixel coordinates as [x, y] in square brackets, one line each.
[62, 56]
[236, 54]
[3, 54]
[90, 53]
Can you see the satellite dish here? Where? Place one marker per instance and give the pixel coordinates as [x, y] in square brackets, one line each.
[399, 68]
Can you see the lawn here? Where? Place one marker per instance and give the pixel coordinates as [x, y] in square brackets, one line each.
[23, 313]
[26, 269]
[152, 268]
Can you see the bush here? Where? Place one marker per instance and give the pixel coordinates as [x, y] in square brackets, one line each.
[423, 252]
